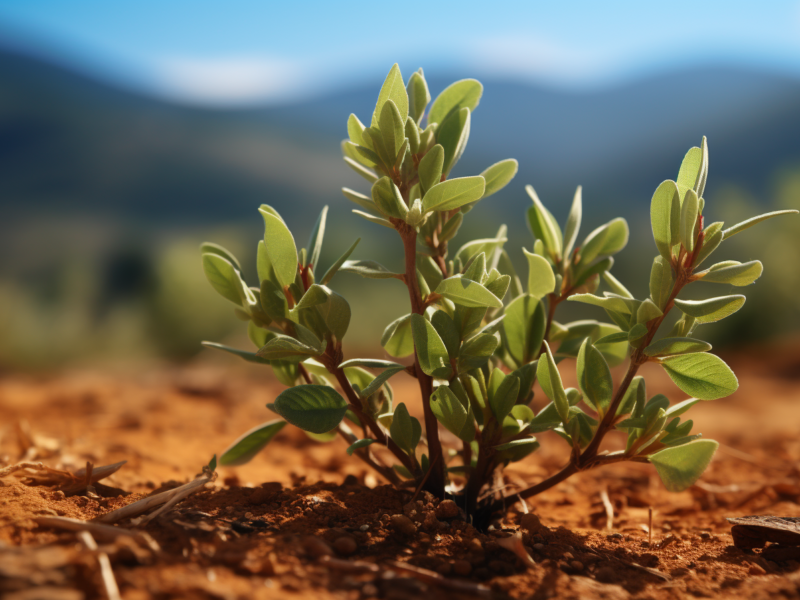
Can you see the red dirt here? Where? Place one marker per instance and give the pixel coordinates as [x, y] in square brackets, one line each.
[258, 530]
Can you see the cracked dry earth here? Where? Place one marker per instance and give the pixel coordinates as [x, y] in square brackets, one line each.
[303, 520]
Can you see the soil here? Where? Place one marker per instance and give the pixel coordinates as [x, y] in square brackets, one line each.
[305, 520]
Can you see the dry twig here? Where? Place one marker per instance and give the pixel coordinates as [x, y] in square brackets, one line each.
[609, 508]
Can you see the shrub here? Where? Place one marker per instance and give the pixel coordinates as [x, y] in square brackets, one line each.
[478, 336]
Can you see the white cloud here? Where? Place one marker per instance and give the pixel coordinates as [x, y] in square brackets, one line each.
[230, 81]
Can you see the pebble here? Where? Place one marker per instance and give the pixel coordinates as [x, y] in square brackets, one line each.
[576, 565]
[364, 527]
[447, 509]
[475, 545]
[345, 546]
[756, 570]
[403, 524]
[316, 547]
[705, 535]
[462, 568]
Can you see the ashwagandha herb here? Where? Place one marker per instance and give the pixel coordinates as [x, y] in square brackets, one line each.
[479, 337]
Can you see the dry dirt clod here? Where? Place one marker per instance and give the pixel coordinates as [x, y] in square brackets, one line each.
[345, 546]
[402, 524]
[756, 570]
[447, 509]
[315, 547]
[531, 523]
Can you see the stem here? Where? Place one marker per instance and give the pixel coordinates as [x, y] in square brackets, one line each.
[435, 483]
[364, 455]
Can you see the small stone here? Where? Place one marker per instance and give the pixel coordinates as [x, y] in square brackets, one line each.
[576, 565]
[364, 527]
[316, 547]
[403, 524]
[462, 568]
[756, 570]
[704, 535]
[345, 546]
[59, 495]
[538, 547]
[568, 556]
[614, 536]
[530, 523]
[475, 545]
[447, 509]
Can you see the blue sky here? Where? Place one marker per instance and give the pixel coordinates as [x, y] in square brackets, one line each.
[238, 52]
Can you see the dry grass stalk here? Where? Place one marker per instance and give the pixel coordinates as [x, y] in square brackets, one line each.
[104, 533]
[106, 573]
[609, 508]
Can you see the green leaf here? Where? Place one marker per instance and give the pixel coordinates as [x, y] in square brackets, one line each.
[251, 443]
[550, 379]
[606, 240]
[712, 238]
[648, 311]
[405, 429]
[397, 338]
[499, 175]
[523, 328]
[248, 356]
[637, 332]
[280, 248]
[475, 352]
[430, 167]
[431, 351]
[502, 396]
[679, 467]
[392, 127]
[690, 172]
[711, 310]
[388, 199]
[393, 89]
[573, 222]
[543, 225]
[704, 376]
[374, 219]
[225, 279]
[447, 330]
[689, 211]
[336, 314]
[453, 135]
[613, 338]
[733, 273]
[366, 173]
[461, 94]
[418, 95]
[283, 347]
[360, 199]
[615, 285]
[369, 269]
[541, 279]
[355, 129]
[314, 295]
[661, 282]
[610, 302]
[516, 450]
[731, 231]
[453, 193]
[448, 410]
[314, 408]
[315, 241]
[466, 292]
[676, 345]
[594, 377]
[388, 367]
[211, 248]
[358, 444]
[334, 268]
[665, 211]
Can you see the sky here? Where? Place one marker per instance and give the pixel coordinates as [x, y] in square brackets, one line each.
[263, 51]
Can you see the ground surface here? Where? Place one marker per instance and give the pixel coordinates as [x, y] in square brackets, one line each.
[259, 531]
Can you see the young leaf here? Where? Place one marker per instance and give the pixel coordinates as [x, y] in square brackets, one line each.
[541, 279]
[733, 273]
[661, 282]
[449, 410]
[711, 310]
[366, 173]
[251, 443]
[355, 130]
[679, 467]
[475, 352]
[369, 269]
[358, 444]
[689, 211]
[665, 211]
[676, 345]
[393, 89]
[335, 313]
[550, 379]
[731, 231]
[430, 167]
[704, 376]
[224, 278]
[503, 396]
[616, 286]
[468, 293]
[313, 408]
[373, 219]
[499, 175]
[461, 94]
[388, 199]
[543, 225]
[397, 338]
[405, 429]
[316, 294]
[594, 377]
[388, 371]
[453, 135]
[211, 248]
[447, 330]
[610, 302]
[248, 356]
[453, 193]
[431, 351]
[516, 450]
[283, 347]
[712, 238]
[418, 95]
[648, 311]
[360, 199]
[280, 248]
[334, 268]
[605, 240]
[691, 171]
[573, 222]
[392, 128]
[315, 242]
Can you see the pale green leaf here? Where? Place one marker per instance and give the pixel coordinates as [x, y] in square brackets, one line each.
[453, 193]
[369, 269]
[616, 286]
[358, 444]
[283, 347]
[313, 408]
[711, 310]
[594, 377]
[395, 90]
[550, 379]
[373, 219]
[430, 167]
[251, 443]
[689, 210]
[503, 396]
[606, 240]
[453, 135]
[211, 248]
[475, 352]
[704, 376]
[392, 127]
[461, 94]
[712, 238]
[468, 293]
[315, 241]
[397, 338]
[360, 199]
[541, 279]
[523, 328]
[499, 175]
[449, 410]
[573, 222]
[690, 172]
[334, 268]
[418, 95]
[280, 248]
[680, 466]
[665, 217]
[431, 351]
[733, 273]
[611, 302]
[225, 279]
[661, 282]
[366, 173]
[248, 356]
[676, 345]
[543, 225]
[335, 313]
[405, 429]
[388, 199]
[731, 231]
